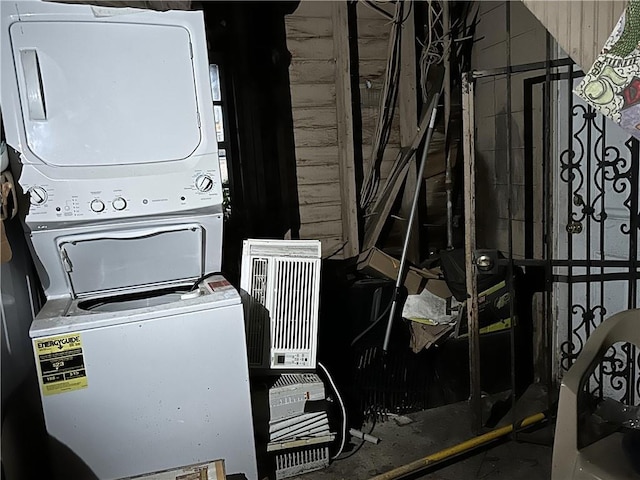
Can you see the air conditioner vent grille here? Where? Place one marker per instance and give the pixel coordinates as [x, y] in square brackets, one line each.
[282, 280]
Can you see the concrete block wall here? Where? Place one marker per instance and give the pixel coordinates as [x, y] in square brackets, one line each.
[528, 45]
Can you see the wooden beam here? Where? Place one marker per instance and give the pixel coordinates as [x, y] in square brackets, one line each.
[382, 207]
[447, 118]
[408, 107]
[344, 117]
[468, 126]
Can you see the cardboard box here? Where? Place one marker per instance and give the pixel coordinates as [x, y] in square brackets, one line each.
[376, 263]
[435, 282]
[202, 471]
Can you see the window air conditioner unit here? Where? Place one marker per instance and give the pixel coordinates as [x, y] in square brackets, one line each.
[280, 280]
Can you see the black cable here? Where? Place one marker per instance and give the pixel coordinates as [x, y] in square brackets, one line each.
[202, 279]
[378, 9]
[376, 321]
[337, 251]
[408, 13]
[362, 442]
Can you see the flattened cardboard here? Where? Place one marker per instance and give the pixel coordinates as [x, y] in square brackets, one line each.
[376, 263]
[201, 471]
[435, 282]
[5, 248]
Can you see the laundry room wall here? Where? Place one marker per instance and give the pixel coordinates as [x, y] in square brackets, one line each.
[528, 40]
[335, 114]
[317, 39]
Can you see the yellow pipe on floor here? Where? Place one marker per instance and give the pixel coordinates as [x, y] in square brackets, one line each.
[458, 449]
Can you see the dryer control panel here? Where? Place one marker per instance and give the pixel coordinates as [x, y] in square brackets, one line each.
[51, 201]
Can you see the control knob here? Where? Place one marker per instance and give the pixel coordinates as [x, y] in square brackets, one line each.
[119, 203]
[204, 183]
[37, 195]
[97, 205]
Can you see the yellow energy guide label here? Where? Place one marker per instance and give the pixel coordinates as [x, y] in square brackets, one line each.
[61, 363]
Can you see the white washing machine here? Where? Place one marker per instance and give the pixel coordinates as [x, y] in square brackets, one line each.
[136, 379]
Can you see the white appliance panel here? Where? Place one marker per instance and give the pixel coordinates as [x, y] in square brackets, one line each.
[116, 259]
[110, 110]
[111, 93]
[162, 251]
[92, 194]
[164, 392]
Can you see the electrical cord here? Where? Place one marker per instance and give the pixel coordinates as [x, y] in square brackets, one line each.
[202, 279]
[337, 251]
[402, 295]
[375, 322]
[344, 411]
[362, 442]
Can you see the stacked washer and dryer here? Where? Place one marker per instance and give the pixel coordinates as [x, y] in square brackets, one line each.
[141, 355]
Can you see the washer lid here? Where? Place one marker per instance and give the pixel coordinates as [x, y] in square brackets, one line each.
[105, 92]
[128, 259]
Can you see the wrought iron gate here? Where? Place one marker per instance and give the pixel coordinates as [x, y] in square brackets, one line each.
[595, 195]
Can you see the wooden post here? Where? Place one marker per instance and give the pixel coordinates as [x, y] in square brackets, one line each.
[448, 181]
[344, 114]
[468, 125]
[408, 110]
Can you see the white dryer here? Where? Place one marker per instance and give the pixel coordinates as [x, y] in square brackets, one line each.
[111, 112]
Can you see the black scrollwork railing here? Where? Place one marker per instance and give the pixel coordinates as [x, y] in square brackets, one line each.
[600, 178]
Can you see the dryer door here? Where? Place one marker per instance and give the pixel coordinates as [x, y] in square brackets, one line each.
[128, 259]
[110, 92]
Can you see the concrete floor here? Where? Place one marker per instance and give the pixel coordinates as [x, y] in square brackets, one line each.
[431, 431]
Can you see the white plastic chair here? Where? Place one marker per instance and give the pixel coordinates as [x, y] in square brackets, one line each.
[603, 459]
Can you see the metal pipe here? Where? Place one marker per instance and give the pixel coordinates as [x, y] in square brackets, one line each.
[526, 67]
[510, 273]
[458, 449]
[364, 436]
[414, 209]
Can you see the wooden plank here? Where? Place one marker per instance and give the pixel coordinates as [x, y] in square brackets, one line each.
[313, 95]
[383, 204]
[332, 247]
[317, 155]
[390, 153]
[345, 130]
[373, 48]
[470, 247]
[320, 212]
[408, 110]
[374, 27]
[298, 26]
[312, 71]
[580, 28]
[311, 48]
[317, 174]
[331, 228]
[313, 8]
[371, 69]
[324, 193]
[315, 137]
[369, 133]
[364, 11]
[370, 118]
[306, 117]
